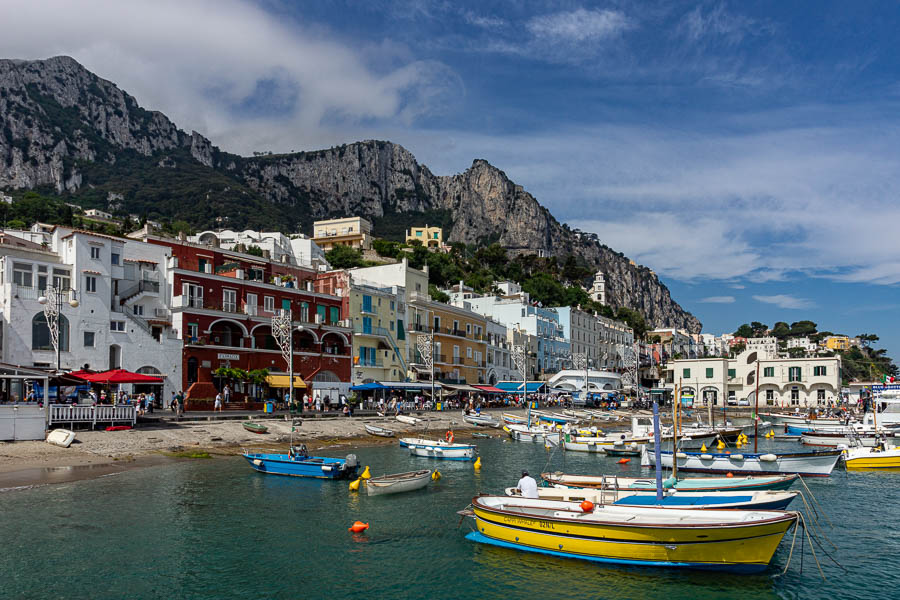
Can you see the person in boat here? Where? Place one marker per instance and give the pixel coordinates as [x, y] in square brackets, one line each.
[527, 486]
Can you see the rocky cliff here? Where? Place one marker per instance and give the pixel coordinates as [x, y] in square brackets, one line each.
[61, 121]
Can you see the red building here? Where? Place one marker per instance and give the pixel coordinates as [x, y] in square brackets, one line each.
[223, 306]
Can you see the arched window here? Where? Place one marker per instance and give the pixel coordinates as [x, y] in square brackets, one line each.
[40, 333]
[192, 370]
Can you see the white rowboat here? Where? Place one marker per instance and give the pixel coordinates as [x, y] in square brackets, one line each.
[408, 420]
[379, 431]
[61, 437]
[443, 450]
[481, 420]
[398, 483]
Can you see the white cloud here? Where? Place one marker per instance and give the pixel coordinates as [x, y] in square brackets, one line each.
[717, 22]
[201, 61]
[718, 300]
[579, 25]
[483, 21]
[737, 286]
[785, 301]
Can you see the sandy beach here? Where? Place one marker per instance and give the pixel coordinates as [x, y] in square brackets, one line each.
[97, 453]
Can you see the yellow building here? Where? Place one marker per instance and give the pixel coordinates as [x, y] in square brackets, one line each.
[460, 343]
[379, 333]
[431, 237]
[837, 342]
[355, 232]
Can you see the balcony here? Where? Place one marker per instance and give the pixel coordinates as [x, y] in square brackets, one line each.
[372, 364]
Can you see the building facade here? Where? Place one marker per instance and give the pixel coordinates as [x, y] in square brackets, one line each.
[355, 232]
[430, 237]
[379, 333]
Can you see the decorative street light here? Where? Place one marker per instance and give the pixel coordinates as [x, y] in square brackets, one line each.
[632, 366]
[520, 359]
[283, 334]
[425, 346]
[580, 361]
[52, 301]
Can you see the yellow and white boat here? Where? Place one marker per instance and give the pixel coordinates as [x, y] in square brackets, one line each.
[729, 540]
[879, 457]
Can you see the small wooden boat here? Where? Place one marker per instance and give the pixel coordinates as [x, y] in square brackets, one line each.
[398, 483]
[408, 420]
[61, 437]
[511, 419]
[481, 420]
[746, 500]
[732, 540]
[691, 484]
[379, 431]
[442, 450]
[298, 463]
[255, 427]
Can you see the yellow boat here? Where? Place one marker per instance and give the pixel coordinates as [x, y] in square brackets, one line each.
[879, 457]
[729, 540]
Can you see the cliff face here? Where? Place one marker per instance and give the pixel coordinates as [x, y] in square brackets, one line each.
[55, 113]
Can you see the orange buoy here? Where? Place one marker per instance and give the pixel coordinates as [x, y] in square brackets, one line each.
[587, 506]
[730, 475]
[624, 461]
[358, 526]
[449, 436]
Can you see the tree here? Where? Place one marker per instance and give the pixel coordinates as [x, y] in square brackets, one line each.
[744, 331]
[545, 289]
[437, 295]
[344, 257]
[801, 328]
[254, 250]
[633, 319]
[781, 330]
[387, 248]
[759, 329]
[867, 338]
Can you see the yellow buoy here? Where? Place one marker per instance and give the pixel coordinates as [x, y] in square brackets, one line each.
[720, 445]
[739, 444]
[477, 464]
[703, 448]
[366, 474]
[436, 475]
[354, 485]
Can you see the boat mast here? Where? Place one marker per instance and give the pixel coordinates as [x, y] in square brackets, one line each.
[675, 407]
[657, 451]
[756, 411]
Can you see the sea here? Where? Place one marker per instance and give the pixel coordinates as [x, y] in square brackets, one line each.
[214, 529]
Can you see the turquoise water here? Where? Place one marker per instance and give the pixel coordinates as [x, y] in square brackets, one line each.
[216, 529]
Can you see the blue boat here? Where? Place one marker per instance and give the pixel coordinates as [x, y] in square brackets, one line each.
[298, 463]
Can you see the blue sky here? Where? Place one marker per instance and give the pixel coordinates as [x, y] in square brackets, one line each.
[747, 152]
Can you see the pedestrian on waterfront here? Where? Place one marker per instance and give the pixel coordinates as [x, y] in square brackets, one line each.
[346, 410]
[173, 404]
[102, 396]
[179, 404]
[305, 401]
[527, 486]
[318, 403]
[218, 405]
[227, 393]
[151, 400]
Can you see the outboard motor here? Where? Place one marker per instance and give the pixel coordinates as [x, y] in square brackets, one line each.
[351, 463]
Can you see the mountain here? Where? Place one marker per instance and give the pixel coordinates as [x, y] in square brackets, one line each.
[67, 131]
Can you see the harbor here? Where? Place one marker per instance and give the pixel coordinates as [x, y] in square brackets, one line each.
[205, 525]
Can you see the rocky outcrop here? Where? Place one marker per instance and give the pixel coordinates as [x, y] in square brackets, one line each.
[55, 113]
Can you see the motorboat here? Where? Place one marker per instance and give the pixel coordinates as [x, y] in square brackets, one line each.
[480, 420]
[847, 436]
[442, 450]
[398, 482]
[379, 431]
[298, 463]
[732, 540]
[813, 464]
[881, 456]
[406, 441]
[535, 433]
[692, 484]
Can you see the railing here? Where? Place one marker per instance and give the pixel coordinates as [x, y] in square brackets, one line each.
[69, 413]
[32, 293]
[370, 363]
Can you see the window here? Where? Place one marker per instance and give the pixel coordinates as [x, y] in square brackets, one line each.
[401, 333]
[367, 325]
[193, 329]
[88, 339]
[819, 372]
[731, 373]
[709, 373]
[392, 325]
[437, 323]
[455, 326]
[468, 329]
[794, 374]
[251, 307]
[40, 333]
[117, 325]
[686, 373]
[795, 397]
[392, 305]
[114, 258]
[304, 312]
[469, 352]
[90, 284]
[95, 252]
[367, 303]
[138, 309]
[320, 313]
[22, 274]
[269, 304]
[201, 264]
[770, 397]
[334, 314]
[61, 280]
[229, 300]
[820, 395]
[768, 371]
[42, 277]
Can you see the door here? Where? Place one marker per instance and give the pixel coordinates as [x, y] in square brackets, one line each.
[229, 300]
[250, 307]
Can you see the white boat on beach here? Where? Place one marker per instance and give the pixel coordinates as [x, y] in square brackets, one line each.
[481, 420]
[815, 464]
[398, 482]
[536, 433]
[61, 437]
[379, 431]
[443, 450]
[408, 420]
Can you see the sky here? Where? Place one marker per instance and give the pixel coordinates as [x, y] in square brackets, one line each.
[747, 152]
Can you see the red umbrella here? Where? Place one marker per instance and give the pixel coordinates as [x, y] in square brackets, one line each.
[121, 376]
[81, 374]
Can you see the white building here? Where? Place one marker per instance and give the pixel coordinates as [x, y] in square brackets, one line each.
[598, 288]
[767, 347]
[803, 342]
[783, 382]
[572, 380]
[307, 253]
[582, 330]
[297, 250]
[97, 214]
[614, 338]
[119, 317]
[500, 366]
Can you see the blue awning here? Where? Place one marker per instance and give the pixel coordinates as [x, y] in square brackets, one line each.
[409, 386]
[515, 387]
[366, 387]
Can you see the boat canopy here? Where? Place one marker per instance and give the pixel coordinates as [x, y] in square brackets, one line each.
[284, 381]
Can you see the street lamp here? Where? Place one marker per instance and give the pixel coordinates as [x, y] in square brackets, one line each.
[282, 332]
[52, 301]
[580, 361]
[425, 346]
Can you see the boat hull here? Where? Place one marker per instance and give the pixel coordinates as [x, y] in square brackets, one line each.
[746, 548]
[443, 451]
[809, 464]
[834, 439]
[311, 466]
[693, 484]
[61, 437]
[868, 459]
[398, 484]
[480, 421]
[379, 431]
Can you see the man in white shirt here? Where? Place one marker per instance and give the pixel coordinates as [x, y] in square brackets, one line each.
[527, 486]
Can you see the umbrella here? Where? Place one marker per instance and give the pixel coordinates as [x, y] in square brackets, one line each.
[121, 376]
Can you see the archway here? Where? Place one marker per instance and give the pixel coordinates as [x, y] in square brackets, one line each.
[263, 339]
[40, 333]
[226, 333]
[710, 395]
[333, 343]
[115, 356]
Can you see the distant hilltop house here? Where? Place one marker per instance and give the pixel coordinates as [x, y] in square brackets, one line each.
[355, 232]
[297, 249]
[836, 342]
[431, 237]
[95, 213]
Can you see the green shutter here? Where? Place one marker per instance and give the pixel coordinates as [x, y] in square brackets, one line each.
[709, 373]
[731, 373]
[401, 333]
[686, 373]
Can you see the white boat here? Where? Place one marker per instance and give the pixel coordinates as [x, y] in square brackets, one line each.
[398, 483]
[535, 433]
[847, 436]
[379, 431]
[687, 484]
[798, 419]
[511, 419]
[883, 456]
[61, 437]
[443, 450]
[815, 464]
[408, 420]
[406, 441]
[889, 415]
[592, 446]
[481, 420]
[745, 500]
